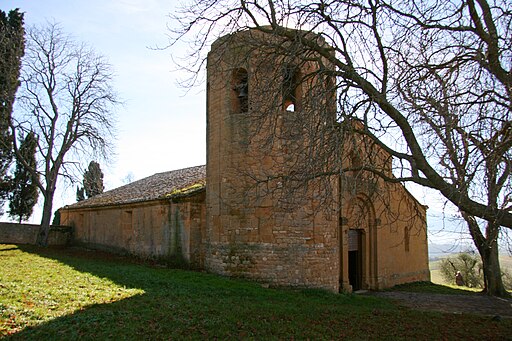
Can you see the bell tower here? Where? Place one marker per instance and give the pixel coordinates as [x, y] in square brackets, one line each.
[266, 106]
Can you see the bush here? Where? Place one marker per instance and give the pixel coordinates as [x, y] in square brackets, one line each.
[468, 264]
[507, 279]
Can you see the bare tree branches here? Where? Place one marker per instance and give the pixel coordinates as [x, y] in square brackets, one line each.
[67, 100]
[429, 81]
[393, 60]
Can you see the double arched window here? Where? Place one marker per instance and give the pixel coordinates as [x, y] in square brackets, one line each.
[291, 89]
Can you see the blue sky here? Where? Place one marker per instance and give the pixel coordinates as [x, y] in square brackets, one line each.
[161, 126]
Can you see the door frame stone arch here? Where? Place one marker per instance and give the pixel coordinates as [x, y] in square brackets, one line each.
[359, 215]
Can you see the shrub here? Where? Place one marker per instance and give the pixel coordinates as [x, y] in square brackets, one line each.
[506, 276]
[468, 264]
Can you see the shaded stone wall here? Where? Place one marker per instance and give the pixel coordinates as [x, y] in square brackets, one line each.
[188, 225]
[142, 230]
[13, 233]
[391, 221]
[158, 229]
[402, 240]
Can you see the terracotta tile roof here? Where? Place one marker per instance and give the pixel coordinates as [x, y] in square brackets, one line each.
[158, 186]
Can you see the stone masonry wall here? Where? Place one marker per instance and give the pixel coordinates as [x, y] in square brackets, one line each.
[391, 221]
[13, 233]
[158, 229]
[255, 229]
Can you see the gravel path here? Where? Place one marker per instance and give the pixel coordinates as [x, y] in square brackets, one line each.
[457, 304]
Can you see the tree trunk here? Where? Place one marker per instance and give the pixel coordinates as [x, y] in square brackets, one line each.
[44, 229]
[487, 246]
[493, 284]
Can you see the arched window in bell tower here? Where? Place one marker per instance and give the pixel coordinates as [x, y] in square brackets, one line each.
[240, 91]
[292, 91]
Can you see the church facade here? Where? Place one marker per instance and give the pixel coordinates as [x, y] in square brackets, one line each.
[284, 199]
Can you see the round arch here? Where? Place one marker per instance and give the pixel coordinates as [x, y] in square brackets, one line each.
[359, 250]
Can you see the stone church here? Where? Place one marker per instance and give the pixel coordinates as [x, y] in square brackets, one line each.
[283, 198]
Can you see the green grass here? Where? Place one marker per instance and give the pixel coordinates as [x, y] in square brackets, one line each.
[65, 294]
[435, 273]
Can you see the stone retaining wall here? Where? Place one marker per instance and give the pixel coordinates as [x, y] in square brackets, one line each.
[14, 233]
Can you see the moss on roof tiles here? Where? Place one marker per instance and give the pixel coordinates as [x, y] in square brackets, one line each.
[185, 191]
[158, 186]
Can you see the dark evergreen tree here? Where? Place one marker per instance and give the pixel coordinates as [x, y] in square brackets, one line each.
[56, 218]
[12, 44]
[80, 193]
[93, 180]
[24, 193]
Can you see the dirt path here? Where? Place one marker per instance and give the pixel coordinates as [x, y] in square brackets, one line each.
[457, 304]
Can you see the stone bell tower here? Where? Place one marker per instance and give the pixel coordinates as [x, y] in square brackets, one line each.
[262, 100]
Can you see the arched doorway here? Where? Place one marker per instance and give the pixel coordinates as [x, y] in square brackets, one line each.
[358, 249]
[355, 259]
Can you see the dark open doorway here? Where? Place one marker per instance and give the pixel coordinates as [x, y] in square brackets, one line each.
[355, 268]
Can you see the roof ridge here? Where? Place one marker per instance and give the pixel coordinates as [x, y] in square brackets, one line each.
[153, 187]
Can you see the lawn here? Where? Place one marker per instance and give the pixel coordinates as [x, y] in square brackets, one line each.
[64, 294]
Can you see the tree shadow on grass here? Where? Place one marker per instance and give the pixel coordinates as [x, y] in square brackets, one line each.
[179, 304]
[184, 304]
[9, 249]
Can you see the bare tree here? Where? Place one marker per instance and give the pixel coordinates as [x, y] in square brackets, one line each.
[67, 99]
[464, 111]
[430, 82]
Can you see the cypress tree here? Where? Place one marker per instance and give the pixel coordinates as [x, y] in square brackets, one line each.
[12, 46]
[80, 193]
[93, 180]
[24, 193]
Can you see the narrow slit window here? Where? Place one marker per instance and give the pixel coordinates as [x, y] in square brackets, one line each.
[407, 238]
[240, 93]
[291, 89]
